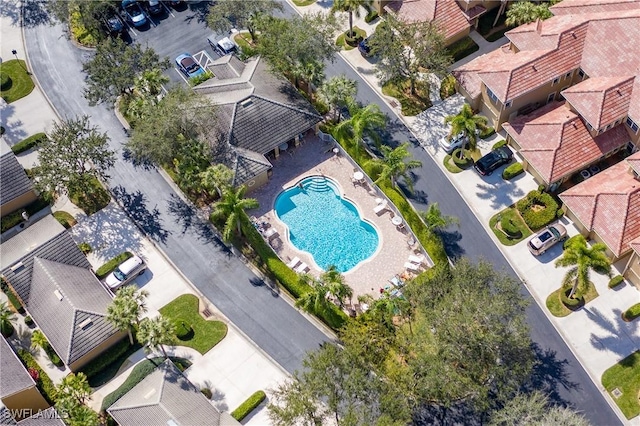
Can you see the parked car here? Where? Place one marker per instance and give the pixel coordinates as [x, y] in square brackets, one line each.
[189, 66]
[134, 13]
[457, 141]
[114, 25]
[222, 46]
[494, 159]
[175, 3]
[546, 239]
[125, 272]
[154, 7]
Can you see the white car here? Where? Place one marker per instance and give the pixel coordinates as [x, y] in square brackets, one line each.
[457, 141]
[125, 272]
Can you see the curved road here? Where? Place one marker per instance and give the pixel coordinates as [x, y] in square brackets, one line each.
[267, 319]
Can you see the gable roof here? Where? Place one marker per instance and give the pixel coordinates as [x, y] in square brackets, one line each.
[570, 7]
[166, 397]
[609, 205]
[556, 142]
[14, 378]
[446, 14]
[247, 165]
[13, 179]
[48, 417]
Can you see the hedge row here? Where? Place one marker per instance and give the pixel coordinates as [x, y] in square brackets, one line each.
[30, 142]
[632, 313]
[249, 405]
[571, 303]
[501, 142]
[489, 131]
[616, 281]
[512, 171]
[112, 264]
[139, 372]
[11, 296]
[97, 365]
[371, 16]
[538, 209]
[510, 228]
[44, 383]
[15, 218]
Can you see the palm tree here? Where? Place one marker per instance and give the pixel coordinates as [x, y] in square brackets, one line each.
[126, 308]
[352, 7]
[315, 300]
[468, 123]
[155, 333]
[6, 316]
[394, 164]
[338, 91]
[363, 122]
[333, 280]
[524, 12]
[217, 177]
[139, 107]
[232, 208]
[39, 340]
[583, 259]
[151, 81]
[435, 220]
[311, 72]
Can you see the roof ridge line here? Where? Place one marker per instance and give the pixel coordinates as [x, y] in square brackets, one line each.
[287, 106]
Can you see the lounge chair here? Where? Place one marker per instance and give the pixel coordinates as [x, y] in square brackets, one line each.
[294, 262]
[419, 260]
[412, 267]
[302, 268]
[271, 232]
[396, 281]
[380, 207]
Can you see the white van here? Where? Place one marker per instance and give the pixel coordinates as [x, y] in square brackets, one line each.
[222, 46]
[125, 272]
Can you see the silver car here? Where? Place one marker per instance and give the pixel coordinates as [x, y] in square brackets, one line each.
[126, 272]
[457, 141]
[547, 238]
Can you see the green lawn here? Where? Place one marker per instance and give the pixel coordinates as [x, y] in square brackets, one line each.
[462, 48]
[340, 41]
[625, 376]
[19, 84]
[450, 165]
[93, 201]
[206, 334]
[411, 104]
[512, 214]
[558, 309]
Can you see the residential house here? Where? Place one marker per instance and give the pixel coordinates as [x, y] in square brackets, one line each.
[582, 61]
[18, 391]
[54, 281]
[16, 189]
[606, 207]
[258, 116]
[166, 397]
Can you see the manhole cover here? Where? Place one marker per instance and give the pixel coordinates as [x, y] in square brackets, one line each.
[617, 393]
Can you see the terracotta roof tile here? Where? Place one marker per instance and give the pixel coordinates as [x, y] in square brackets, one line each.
[601, 100]
[444, 13]
[634, 162]
[609, 205]
[556, 142]
[593, 6]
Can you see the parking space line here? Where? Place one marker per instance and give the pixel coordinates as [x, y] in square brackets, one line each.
[148, 16]
[167, 9]
[181, 75]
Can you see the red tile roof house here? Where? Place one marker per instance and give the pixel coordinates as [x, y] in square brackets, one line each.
[606, 209]
[582, 60]
[455, 18]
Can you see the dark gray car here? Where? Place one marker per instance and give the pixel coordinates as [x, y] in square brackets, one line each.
[494, 159]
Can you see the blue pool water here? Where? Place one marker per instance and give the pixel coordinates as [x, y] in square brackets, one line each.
[326, 225]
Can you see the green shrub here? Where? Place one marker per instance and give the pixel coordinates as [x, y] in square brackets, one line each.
[108, 267]
[559, 213]
[13, 299]
[28, 321]
[83, 35]
[538, 209]
[462, 48]
[199, 79]
[6, 329]
[248, 406]
[571, 303]
[104, 368]
[489, 131]
[44, 383]
[139, 372]
[510, 228]
[616, 281]
[512, 171]
[94, 199]
[207, 392]
[85, 248]
[447, 87]
[183, 331]
[501, 142]
[632, 313]
[5, 81]
[371, 16]
[13, 219]
[320, 106]
[460, 162]
[30, 142]
[65, 218]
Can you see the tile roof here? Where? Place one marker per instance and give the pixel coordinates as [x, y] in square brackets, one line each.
[445, 13]
[601, 100]
[13, 179]
[14, 377]
[609, 205]
[166, 397]
[569, 7]
[634, 162]
[34, 235]
[556, 142]
[5, 416]
[247, 165]
[48, 417]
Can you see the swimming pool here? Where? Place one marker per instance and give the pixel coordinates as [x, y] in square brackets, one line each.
[326, 225]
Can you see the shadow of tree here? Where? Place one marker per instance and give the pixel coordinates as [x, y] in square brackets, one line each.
[137, 162]
[200, 10]
[34, 13]
[451, 241]
[548, 375]
[618, 333]
[259, 282]
[135, 205]
[498, 192]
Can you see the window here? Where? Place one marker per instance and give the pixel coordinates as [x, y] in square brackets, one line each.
[551, 97]
[608, 127]
[492, 95]
[555, 81]
[581, 73]
[632, 124]
[568, 75]
[508, 104]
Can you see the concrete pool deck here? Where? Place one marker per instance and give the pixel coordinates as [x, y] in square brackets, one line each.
[313, 158]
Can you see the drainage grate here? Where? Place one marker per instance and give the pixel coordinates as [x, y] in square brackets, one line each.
[617, 393]
[206, 313]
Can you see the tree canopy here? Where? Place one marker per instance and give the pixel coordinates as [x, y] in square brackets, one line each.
[225, 15]
[523, 12]
[115, 67]
[338, 91]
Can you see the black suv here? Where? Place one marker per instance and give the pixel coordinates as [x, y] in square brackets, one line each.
[494, 159]
[114, 25]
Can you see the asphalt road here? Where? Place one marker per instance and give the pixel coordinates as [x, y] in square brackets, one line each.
[276, 327]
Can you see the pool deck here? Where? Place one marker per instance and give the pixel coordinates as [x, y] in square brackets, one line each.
[313, 158]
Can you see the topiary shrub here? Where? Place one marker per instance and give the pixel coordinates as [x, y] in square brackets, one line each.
[355, 37]
[206, 392]
[463, 162]
[571, 303]
[538, 209]
[30, 142]
[112, 264]
[85, 248]
[248, 406]
[498, 144]
[28, 321]
[489, 131]
[510, 228]
[631, 313]
[371, 16]
[616, 281]
[183, 330]
[512, 171]
[559, 213]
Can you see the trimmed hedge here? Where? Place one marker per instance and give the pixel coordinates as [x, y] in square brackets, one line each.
[65, 218]
[489, 131]
[538, 209]
[371, 16]
[510, 228]
[573, 303]
[112, 264]
[463, 162]
[248, 406]
[105, 359]
[139, 372]
[512, 171]
[30, 142]
[632, 313]
[13, 299]
[501, 142]
[85, 247]
[15, 218]
[44, 383]
[616, 281]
